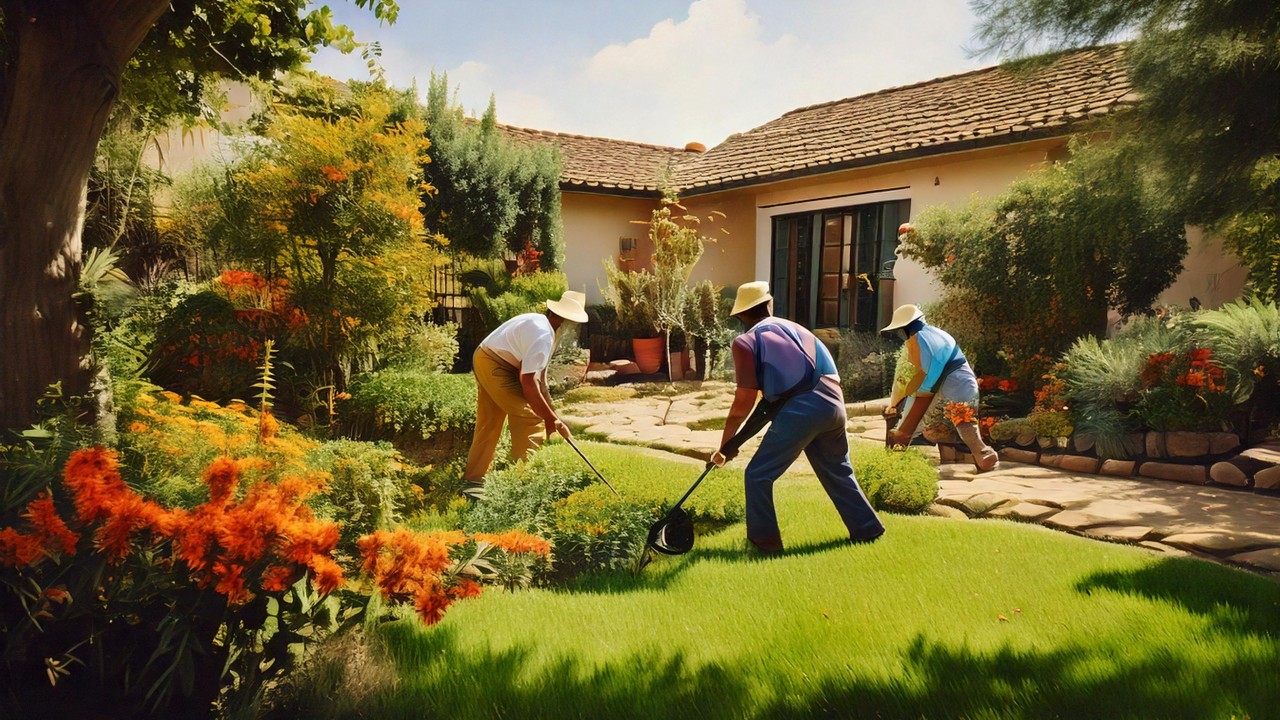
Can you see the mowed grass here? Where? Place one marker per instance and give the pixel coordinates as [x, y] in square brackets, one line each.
[938, 619]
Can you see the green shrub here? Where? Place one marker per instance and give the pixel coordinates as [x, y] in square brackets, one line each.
[1246, 338]
[371, 487]
[895, 481]
[866, 363]
[557, 497]
[1051, 423]
[433, 347]
[518, 295]
[1006, 430]
[411, 400]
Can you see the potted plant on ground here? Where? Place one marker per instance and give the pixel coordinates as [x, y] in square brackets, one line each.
[632, 294]
[664, 293]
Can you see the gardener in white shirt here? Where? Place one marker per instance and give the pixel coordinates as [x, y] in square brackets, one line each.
[510, 366]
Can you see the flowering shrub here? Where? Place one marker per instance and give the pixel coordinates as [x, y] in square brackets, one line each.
[213, 341]
[171, 603]
[1182, 391]
[432, 570]
[167, 442]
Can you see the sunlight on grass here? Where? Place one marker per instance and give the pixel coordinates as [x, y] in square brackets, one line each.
[940, 618]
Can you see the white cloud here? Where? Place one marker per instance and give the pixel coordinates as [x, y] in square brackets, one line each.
[724, 68]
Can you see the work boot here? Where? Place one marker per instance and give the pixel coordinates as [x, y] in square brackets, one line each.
[768, 545]
[984, 456]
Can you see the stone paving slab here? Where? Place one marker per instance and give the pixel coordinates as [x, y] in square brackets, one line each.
[1216, 523]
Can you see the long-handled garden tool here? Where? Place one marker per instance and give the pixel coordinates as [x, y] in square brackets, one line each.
[593, 467]
[672, 534]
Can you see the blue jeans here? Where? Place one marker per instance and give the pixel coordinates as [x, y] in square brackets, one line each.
[816, 425]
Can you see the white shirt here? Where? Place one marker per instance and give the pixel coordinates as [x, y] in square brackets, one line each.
[525, 341]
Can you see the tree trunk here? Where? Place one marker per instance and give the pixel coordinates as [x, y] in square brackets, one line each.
[64, 63]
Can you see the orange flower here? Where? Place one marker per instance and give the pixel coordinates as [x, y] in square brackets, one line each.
[515, 541]
[221, 476]
[333, 174]
[960, 413]
[278, 578]
[50, 530]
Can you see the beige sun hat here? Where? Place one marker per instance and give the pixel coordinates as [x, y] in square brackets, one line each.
[903, 317]
[750, 295]
[572, 305]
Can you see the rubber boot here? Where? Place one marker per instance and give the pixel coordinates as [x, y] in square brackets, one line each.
[984, 456]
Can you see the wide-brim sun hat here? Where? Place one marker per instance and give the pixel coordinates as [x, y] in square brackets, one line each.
[750, 295]
[572, 306]
[902, 317]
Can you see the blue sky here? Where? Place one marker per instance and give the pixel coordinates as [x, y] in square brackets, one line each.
[661, 71]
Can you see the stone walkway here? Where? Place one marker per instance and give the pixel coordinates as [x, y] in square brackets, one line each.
[1236, 527]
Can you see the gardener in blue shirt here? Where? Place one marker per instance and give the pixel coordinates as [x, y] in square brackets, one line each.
[787, 364]
[942, 379]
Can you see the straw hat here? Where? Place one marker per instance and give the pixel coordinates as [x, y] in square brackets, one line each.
[572, 305]
[903, 317]
[750, 295]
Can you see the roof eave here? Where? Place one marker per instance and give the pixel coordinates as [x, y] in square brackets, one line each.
[986, 141]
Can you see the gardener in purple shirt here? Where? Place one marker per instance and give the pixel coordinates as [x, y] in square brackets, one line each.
[787, 364]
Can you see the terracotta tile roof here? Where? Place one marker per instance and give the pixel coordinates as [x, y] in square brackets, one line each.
[992, 106]
[615, 167]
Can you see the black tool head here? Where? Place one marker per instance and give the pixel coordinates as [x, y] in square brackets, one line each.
[673, 534]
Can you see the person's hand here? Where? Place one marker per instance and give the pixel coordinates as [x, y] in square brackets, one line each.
[558, 427]
[899, 437]
[718, 459]
[889, 412]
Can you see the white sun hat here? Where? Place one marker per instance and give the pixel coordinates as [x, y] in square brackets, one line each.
[572, 305]
[902, 317]
[750, 295]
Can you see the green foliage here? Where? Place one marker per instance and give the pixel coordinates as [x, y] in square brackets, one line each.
[412, 400]
[371, 487]
[492, 194]
[866, 363]
[1245, 335]
[430, 346]
[1049, 257]
[328, 205]
[1006, 430]
[633, 296]
[895, 481]
[1051, 423]
[1208, 121]
[707, 321]
[518, 295]
[962, 314]
[557, 497]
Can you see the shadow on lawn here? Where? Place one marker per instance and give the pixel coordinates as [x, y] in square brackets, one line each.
[440, 677]
[1234, 601]
[664, 571]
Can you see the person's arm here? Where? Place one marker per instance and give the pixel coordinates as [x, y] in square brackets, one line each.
[559, 426]
[907, 427]
[531, 388]
[744, 400]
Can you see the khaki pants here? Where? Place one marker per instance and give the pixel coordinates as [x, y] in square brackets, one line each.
[499, 398]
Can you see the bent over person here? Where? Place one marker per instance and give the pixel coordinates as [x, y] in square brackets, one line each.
[785, 363]
[510, 366]
[942, 377]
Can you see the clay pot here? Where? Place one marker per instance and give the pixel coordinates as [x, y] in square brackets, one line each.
[648, 352]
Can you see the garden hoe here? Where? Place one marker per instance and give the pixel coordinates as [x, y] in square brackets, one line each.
[593, 467]
[673, 533]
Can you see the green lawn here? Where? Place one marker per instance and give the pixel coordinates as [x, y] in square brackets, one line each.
[939, 619]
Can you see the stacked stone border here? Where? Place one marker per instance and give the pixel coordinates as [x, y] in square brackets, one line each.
[1185, 457]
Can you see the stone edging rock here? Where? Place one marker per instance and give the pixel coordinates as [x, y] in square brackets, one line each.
[1256, 468]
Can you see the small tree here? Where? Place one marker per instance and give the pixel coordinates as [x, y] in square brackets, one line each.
[664, 293]
[492, 196]
[330, 205]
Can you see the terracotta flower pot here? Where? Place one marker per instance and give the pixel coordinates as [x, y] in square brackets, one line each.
[648, 352]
